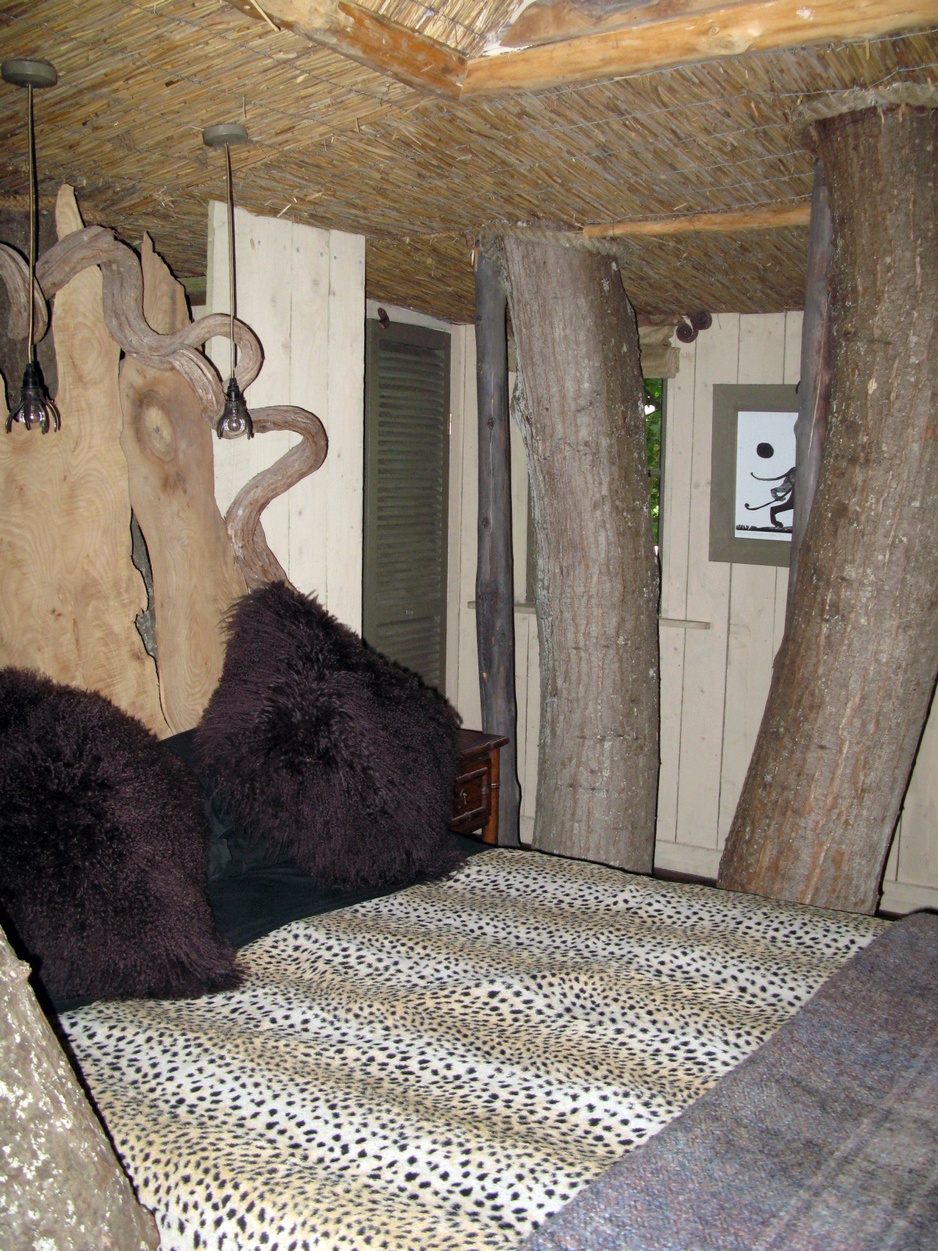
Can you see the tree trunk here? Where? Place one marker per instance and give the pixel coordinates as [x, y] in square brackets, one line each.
[583, 420]
[856, 671]
[495, 591]
[815, 388]
[60, 1183]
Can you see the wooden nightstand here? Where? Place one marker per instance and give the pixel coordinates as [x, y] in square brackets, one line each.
[476, 791]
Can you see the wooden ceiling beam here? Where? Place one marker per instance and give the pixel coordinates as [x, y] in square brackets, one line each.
[657, 42]
[369, 39]
[770, 217]
[722, 31]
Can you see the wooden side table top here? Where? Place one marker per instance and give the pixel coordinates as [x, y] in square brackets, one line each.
[474, 743]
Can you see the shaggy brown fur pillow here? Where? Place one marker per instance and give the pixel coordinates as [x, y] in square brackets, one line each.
[321, 748]
[103, 845]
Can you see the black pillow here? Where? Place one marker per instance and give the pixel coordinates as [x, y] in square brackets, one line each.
[103, 845]
[326, 751]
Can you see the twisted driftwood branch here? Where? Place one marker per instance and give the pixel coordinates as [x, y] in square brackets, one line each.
[124, 316]
[243, 519]
[123, 313]
[14, 274]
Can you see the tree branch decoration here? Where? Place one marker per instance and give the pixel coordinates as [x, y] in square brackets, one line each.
[123, 314]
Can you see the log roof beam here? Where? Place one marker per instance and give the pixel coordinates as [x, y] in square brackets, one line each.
[368, 38]
[725, 30]
[767, 217]
[638, 46]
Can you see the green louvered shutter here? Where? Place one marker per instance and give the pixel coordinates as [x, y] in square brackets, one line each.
[406, 462]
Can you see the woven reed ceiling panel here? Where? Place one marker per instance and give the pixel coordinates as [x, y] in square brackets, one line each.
[335, 143]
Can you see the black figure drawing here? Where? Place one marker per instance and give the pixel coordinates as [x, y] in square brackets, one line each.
[765, 441]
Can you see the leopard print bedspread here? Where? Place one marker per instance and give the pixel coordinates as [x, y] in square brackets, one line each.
[440, 1069]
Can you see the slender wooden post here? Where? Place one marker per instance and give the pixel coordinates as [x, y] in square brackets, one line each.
[815, 389]
[495, 594]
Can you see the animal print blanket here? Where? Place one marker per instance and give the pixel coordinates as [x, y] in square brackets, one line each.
[439, 1069]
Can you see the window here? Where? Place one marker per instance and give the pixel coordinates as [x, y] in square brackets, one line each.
[654, 424]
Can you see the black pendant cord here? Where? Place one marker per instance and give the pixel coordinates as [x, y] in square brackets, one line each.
[231, 256]
[235, 419]
[31, 350]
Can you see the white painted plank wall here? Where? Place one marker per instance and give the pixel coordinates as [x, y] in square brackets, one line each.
[721, 624]
[302, 291]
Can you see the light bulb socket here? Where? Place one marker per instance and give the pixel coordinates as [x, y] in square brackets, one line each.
[35, 407]
[235, 420]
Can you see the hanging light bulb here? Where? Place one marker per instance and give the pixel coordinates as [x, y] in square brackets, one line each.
[235, 419]
[35, 407]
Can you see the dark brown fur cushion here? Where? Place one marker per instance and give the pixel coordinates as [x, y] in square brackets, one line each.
[103, 845]
[324, 749]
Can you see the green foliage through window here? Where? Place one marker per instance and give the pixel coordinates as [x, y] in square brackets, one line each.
[654, 401]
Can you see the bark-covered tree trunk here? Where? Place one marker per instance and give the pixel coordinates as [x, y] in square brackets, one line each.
[856, 671]
[597, 580]
[495, 591]
[814, 395]
[60, 1183]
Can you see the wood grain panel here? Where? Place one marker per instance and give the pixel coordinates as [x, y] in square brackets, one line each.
[302, 291]
[69, 592]
[708, 585]
[167, 442]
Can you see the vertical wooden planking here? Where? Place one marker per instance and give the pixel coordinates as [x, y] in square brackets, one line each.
[708, 585]
[675, 512]
[751, 638]
[750, 649]
[914, 855]
[302, 291]
[678, 456]
[265, 294]
[529, 705]
[309, 388]
[522, 744]
[340, 507]
[232, 457]
[792, 337]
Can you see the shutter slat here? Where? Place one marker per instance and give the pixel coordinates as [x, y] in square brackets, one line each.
[407, 437]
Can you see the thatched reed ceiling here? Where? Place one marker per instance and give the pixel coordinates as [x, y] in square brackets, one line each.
[337, 143]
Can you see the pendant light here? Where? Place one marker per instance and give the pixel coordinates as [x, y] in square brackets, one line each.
[35, 407]
[235, 419]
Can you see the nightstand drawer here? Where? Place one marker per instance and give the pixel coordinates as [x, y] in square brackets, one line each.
[472, 798]
[475, 795]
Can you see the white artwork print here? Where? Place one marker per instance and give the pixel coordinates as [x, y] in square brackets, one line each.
[765, 475]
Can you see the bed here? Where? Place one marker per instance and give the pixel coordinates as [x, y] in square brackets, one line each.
[511, 1050]
[447, 1067]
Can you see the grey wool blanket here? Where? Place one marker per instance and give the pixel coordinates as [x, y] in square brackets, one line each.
[824, 1139]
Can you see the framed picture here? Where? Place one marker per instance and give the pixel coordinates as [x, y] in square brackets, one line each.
[752, 483]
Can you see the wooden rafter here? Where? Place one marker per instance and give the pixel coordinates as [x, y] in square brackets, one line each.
[771, 217]
[637, 46]
[723, 31]
[369, 39]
